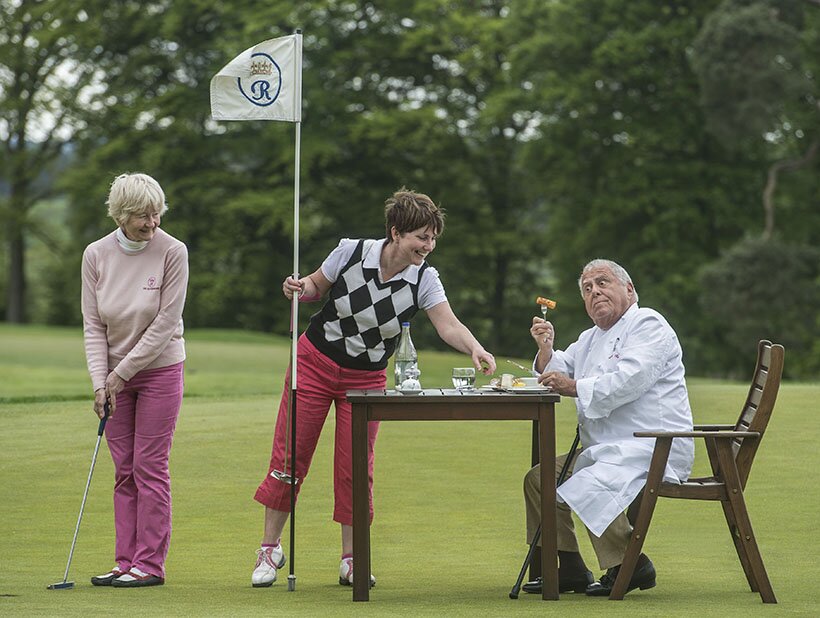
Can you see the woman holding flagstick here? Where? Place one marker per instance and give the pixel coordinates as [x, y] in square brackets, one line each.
[372, 286]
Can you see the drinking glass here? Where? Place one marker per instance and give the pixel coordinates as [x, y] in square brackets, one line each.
[464, 378]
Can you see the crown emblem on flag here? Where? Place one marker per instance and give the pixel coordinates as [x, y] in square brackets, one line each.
[261, 67]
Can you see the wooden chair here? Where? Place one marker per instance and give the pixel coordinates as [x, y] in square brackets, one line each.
[731, 452]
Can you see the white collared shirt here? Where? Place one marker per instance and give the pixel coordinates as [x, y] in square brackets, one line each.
[431, 290]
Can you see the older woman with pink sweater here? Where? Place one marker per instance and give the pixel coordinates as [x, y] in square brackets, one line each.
[134, 282]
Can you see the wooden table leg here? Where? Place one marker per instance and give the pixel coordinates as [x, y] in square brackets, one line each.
[535, 563]
[549, 539]
[361, 512]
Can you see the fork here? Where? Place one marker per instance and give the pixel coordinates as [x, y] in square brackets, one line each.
[544, 313]
[530, 371]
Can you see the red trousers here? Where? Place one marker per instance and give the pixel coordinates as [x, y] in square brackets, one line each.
[320, 382]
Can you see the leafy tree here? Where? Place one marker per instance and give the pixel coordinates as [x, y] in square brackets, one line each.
[756, 88]
[48, 68]
[425, 95]
[764, 289]
[623, 162]
[552, 132]
[228, 186]
[756, 63]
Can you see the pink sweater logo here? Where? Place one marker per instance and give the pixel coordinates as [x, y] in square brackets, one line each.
[151, 284]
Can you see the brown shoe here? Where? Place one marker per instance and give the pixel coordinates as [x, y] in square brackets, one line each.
[137, 579]
[105, 580]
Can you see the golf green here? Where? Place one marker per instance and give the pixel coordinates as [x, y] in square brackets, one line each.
[448, 536]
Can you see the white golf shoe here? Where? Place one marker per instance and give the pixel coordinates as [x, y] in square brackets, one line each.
[346, 573]
[107, 578]
[268, 559]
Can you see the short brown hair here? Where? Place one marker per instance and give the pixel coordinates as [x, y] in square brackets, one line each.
[407, 210]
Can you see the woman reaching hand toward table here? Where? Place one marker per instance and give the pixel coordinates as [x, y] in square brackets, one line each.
[372, 286]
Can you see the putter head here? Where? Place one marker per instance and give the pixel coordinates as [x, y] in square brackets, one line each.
[60, 586]
[282, 476]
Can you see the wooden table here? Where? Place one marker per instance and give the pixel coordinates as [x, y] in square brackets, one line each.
[451, 405]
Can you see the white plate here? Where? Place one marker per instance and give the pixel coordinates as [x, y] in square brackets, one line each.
[530, 389]
[413, 392]
[515, 389]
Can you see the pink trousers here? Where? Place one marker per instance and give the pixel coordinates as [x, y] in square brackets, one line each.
[139, 439]
[320, 382]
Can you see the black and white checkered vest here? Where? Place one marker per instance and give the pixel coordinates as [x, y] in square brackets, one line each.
[359, 325]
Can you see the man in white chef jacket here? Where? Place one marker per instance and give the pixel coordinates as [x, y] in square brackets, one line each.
[626, 374]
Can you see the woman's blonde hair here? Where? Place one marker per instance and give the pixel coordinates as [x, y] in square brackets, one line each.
[134, 194]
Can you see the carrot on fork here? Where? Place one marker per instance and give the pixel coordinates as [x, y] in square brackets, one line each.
[545, 303]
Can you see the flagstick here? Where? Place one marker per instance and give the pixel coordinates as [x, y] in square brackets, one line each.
[294, 325]
[293, 383]
[230, 102]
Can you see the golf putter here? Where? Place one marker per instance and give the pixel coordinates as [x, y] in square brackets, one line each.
[282, 475]
[65, 584]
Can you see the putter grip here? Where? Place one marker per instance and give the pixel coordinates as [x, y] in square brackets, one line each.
[106, 409]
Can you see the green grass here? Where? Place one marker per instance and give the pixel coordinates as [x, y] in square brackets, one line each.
[448, 534]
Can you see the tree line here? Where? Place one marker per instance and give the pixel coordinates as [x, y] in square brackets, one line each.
[678, 138]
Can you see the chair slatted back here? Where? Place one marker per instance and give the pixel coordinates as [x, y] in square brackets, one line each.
[757, 410]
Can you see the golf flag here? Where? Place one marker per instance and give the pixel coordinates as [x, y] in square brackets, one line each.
[264, 82]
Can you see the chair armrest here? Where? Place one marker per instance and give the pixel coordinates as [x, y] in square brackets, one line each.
[696, 434]
[713, 427]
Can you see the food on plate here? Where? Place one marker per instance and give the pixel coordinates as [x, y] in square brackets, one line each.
[510, 381]
[545, 302]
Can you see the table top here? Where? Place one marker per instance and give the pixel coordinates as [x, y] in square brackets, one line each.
[450, 404]
[440, 395]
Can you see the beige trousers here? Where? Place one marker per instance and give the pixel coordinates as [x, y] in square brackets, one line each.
[609, 548]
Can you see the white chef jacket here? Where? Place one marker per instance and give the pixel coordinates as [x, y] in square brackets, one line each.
[629, 378]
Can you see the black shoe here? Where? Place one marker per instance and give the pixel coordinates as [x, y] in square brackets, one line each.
[576, 582]
[534, 587]
[643, 578]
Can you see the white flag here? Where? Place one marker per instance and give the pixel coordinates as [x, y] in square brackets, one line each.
[264, 82]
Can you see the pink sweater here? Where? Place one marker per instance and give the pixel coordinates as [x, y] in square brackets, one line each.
[132, 306]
